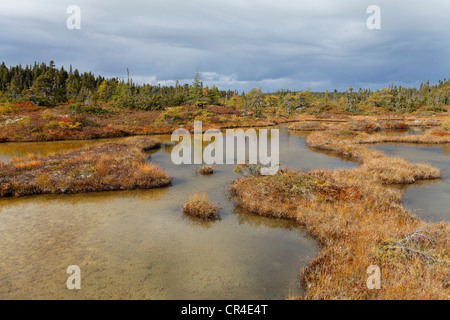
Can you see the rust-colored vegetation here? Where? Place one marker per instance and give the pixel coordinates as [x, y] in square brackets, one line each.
[286, 189]
[359, 221]
[307, 126]
[374, 124]
[22, 123]
[206, 170]
[374, 165]
[199, 207]
[107, 167]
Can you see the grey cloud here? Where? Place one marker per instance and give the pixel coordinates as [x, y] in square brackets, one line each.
[236, 44]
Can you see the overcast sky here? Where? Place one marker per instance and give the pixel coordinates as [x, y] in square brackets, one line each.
[235, 44]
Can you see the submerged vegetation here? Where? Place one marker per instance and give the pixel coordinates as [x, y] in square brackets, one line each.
[199, 207]
[359, 221]
[106, 167]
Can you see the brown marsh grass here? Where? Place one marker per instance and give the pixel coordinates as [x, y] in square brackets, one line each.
[107, 167]
[375, 165]
[200, 207]
[307, 126]
[206, 170]
[359, 221]
[143, 143]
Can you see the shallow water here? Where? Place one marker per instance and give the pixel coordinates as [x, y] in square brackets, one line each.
[11, 150]
[139, 245]
[429, 200]
[413, 131]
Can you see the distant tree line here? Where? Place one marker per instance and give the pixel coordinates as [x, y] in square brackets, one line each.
[46, 85]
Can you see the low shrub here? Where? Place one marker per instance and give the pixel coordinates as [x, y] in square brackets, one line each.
[436, 109]
[80, 108]
[445, 126]
[8, 109]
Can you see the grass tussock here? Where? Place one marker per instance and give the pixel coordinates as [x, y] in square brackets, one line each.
[106, 167]
[206, 170]
[359, 221]
[199, 207]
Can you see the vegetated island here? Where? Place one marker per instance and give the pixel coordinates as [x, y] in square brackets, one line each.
[359, 220]
[104, 167]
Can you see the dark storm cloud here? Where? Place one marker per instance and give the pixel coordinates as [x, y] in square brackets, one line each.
[236, 44]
